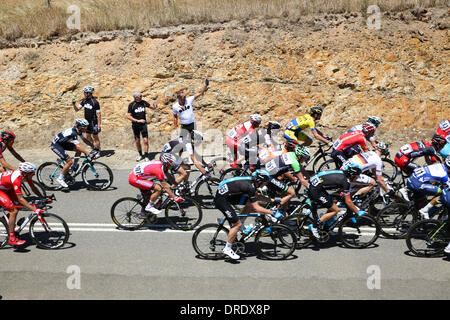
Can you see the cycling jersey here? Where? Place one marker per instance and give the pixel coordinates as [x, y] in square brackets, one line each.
[349, 140]
[444, 129]
[408, 152]
[67, 136]
[428, 180]
[445, 151]
[283, 163]
[10, 188]
[368, 161]
[323, 181]
[146, 171]
[240, 131]
[359, 127]
[299, 124]
[91, 108]
[177, 145]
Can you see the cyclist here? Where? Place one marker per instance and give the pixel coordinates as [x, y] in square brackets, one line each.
[272, 129]
[290, 161]
[426, 181]
[92, 114]
[242, 190]
[68, 140]
[235, 135]
[346, 145]
[317, 192]
[295, 129]
[145, 177]
[11, 192]
[443, 130]
[373, 120]
[178, 145]
[409, 152]
[6, 142]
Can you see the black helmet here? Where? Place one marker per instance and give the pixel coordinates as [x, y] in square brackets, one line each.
[316, 110]
[8, 136]
[438, 141]
[273, 125]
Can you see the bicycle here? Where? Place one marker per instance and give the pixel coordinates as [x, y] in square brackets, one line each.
[48, 230]
[273, 241]
[428, 238]
[95, 175]
[186, 215]
[354, 231]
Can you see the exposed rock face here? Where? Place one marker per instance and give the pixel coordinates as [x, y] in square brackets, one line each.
[276, 68]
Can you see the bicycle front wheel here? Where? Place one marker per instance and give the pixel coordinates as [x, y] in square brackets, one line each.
[298, 223]
[232, 173]
[47, 173]
[359, 232]
[206, 191]
[209, 240]
[395, 220]
[125, 213]
[328, 165]
[428, 238]
[185, 215]
[276, 242]
[4, 233]
[50, 233]
[97, 175]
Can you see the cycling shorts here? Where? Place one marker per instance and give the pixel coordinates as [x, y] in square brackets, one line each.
[141, 184]
[91, 129]
[223, 204]
[7, 199]
[140, 129]
[320, 196]
[60, 149]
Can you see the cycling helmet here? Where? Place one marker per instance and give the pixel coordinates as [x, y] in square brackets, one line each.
[197, 136]
[438, 141]
[88, 89]
[261, 175]
[7, 136]
[290, 145]
[374, 120]
[383, 147]
[273, 125]
[447, 161]
[368, 129]
[256, 118]
[302, 151]
[168, 159]
[316, 110]
[351, 170]
[81, 122]
[27, 167]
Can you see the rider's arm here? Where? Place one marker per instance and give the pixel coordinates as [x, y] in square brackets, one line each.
[25, 203]
[255, 207]
[166, 187]
[15, 154]
[175, 121]
[34, 189]
[201, 92]
[318, 136]
[195, 157]
[350, 204]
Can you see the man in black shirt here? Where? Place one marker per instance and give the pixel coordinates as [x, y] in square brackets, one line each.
[92, 114]
[136, 114]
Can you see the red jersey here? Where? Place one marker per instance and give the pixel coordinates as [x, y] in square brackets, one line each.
[414, 150]
[444, 129]
[150, 170]
[241, 131]
[350, 139]
[12, 180]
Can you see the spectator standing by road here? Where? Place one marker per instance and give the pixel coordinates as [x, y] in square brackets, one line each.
[92, 114]
[183, 109]
[136, 114]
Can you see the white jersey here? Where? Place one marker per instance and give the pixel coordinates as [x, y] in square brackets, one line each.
[186, 112]
[368, 160]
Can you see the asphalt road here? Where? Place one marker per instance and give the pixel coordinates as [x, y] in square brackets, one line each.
[101, 262]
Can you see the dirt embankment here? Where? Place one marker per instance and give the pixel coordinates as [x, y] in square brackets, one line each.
[274, 67]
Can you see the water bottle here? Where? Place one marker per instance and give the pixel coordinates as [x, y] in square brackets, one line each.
[331, 221]
[248, 229]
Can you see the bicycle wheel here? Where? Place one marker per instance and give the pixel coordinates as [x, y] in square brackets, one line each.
[185, 215]
[125, 213]
[428, 238]
[47, 173]
[209, 240]
[27, 192]
[51, 233]
[319, 161]
[206, 191]
[298, 223]
[358, 232]
[97, 175]
[390, 169]
[395, 220]
[232, 173]
[276, 242]
[4, 233]
[328, 165]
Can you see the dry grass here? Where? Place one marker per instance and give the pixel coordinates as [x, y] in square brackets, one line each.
[31, 18]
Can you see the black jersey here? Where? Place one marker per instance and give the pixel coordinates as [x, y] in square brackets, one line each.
[333, 179]
[91, 107]
[137, 109]
[67, 136]
[237, 186]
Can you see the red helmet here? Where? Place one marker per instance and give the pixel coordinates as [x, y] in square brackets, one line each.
[368, 129]
[7, 136]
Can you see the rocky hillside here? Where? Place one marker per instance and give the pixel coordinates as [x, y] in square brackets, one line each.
[275, 67]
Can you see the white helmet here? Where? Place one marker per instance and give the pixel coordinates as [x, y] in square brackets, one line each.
[88, 89]
[27, 167]
[81, 122]
[256, 118]
[374, 120]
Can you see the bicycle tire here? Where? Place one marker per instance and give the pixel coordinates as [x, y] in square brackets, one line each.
[95, 182]
[185, 215]
[428, 238]
[125, 213]
[205, 192]
[27, 192]
[395, 220]
[47, 173]
[4, 232]
[358, 235]
[56, 238]
[390, 169]
[279, 237]
[298, 223]
[232, 173]
[328, 165]
[319, 161]
[209, 240]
